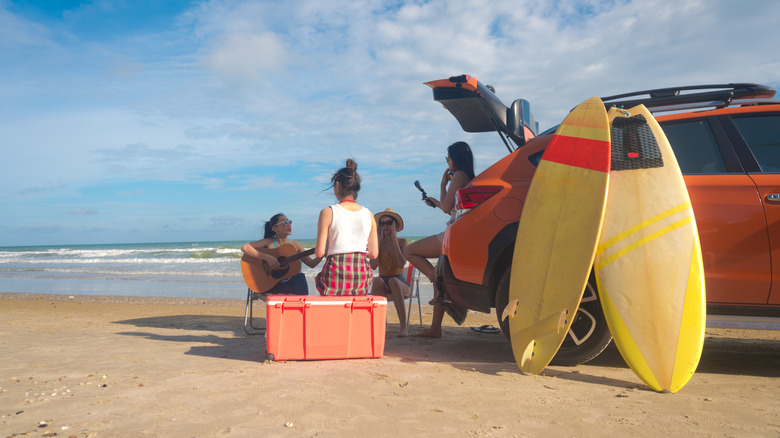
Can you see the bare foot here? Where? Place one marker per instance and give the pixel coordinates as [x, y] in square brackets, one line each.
[430, 333]
[403, 334]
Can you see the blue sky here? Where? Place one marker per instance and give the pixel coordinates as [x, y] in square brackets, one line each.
[144, 121]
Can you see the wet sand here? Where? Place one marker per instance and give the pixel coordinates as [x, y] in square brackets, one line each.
[96, 366]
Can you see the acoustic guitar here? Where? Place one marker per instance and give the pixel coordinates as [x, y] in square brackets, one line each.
[259, 276]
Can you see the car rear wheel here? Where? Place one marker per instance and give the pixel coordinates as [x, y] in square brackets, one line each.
[588, 335]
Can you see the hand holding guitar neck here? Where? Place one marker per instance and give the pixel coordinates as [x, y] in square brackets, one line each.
[424, 195]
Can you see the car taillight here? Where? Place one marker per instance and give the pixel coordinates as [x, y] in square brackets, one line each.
[470, 197]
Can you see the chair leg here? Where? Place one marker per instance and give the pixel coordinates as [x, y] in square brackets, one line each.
[419, 306]
[409, 307]
[248, 316]
[415, 286]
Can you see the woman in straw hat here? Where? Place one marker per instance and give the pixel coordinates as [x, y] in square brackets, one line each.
[391, 261]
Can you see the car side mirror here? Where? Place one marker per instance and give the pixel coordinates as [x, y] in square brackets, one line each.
[520, 122]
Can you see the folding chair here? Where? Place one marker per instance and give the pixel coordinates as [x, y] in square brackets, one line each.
[251, 297]
[413, 278]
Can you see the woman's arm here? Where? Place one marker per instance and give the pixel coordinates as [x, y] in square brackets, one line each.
[458, 180]
[399, 256]
[373, 241]
[374, 263]
[326, 218]
[251, 249]
[308, 260]
[445, 179]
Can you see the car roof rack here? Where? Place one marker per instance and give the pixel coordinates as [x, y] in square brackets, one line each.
[693, 96]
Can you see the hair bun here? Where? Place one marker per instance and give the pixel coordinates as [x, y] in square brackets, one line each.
[351, 167]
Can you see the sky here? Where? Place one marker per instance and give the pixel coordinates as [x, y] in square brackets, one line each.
[129, 121]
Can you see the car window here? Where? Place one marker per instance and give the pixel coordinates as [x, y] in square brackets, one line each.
[536, 157]
[695, 147]
[762, 134]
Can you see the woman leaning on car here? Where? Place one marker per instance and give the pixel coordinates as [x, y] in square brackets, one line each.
[460, 170]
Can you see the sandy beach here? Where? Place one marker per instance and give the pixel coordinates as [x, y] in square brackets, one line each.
[91, 366]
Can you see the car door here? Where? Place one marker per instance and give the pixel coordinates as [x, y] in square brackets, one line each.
[760, 132]
[728, 209]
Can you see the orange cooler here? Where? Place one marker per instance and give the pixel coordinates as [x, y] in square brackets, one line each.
[314, 327]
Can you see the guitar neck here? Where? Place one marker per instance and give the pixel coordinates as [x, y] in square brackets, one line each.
[300, 255]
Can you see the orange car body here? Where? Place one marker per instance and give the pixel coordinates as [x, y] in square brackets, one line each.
[737, 211]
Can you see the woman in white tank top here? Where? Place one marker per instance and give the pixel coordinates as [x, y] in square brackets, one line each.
[346, 235]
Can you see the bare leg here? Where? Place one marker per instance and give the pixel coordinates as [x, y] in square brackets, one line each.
[420, 251]
[378, 287]
[418, 254]
[434, 331]
[397, 291]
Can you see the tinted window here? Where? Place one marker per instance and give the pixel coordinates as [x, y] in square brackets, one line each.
[762, 134]
[536, 157]
[695, 147]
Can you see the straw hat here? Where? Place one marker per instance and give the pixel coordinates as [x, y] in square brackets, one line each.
[399, 223]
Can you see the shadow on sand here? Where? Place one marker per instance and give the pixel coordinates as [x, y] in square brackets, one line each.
[224, 337]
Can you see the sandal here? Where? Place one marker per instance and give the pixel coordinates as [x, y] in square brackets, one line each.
[487, 328]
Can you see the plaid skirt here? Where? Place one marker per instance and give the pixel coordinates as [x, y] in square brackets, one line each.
[345, 274]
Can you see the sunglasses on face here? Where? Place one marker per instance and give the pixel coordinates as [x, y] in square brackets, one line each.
[285, 223]
[386, 223]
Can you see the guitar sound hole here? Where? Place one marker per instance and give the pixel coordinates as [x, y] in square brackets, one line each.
[279, 273]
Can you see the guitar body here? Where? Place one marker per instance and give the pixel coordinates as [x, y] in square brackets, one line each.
[258, 275]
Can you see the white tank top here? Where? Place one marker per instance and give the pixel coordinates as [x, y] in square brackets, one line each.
[349, 230]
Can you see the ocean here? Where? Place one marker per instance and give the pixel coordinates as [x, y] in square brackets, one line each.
[184, 269]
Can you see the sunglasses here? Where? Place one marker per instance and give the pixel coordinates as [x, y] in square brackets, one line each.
[386, 223]
[285, 223]
[447, 158]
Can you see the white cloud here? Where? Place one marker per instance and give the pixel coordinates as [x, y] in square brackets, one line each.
[242, 56]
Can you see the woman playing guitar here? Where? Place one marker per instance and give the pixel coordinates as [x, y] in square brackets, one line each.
[277, 232]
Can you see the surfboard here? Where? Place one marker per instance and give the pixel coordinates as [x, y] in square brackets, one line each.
[557, 236]
[648, 264]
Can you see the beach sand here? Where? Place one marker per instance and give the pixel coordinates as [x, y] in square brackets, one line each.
[92, 366]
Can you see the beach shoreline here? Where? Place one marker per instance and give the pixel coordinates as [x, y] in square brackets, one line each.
[124, 299]
[92, 366]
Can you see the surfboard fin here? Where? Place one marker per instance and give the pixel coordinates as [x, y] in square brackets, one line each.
[510, 310]
[563, 320]
[528, 353]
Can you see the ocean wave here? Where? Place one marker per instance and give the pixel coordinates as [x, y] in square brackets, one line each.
[215, 254]
[114, 273]
[118, 254]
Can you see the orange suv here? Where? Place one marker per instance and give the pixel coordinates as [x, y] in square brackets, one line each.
[727, 142]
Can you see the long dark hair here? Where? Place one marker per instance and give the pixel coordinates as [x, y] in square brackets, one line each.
[462, 158]
[348, 179]
[269, 226]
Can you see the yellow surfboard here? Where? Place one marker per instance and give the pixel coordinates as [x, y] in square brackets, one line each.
[648, 263]
[557, 236]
